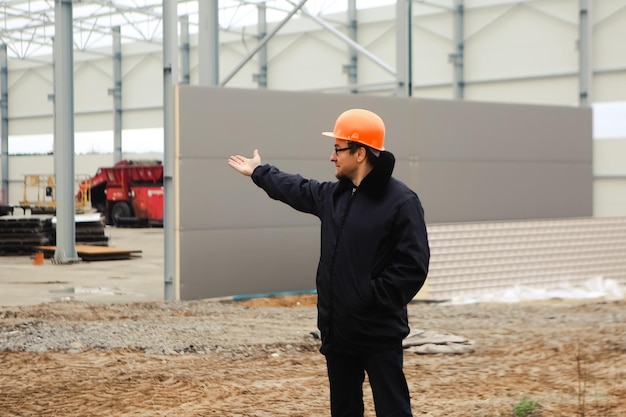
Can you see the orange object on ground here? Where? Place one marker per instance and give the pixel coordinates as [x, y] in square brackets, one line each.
[38, 260]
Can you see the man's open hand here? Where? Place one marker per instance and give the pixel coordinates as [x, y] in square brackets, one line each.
[245, 165]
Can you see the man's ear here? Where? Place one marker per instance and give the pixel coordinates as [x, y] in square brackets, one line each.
[361, 154]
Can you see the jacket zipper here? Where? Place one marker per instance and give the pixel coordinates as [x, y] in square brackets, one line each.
[332, 280]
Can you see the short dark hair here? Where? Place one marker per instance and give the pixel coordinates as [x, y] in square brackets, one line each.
[370, 154]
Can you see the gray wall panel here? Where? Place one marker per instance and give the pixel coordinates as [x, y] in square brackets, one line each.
[454, 191]
[220, 198]
[404, 170]
[458, 130]
[284, 124]
[217, 263]
[467, 161]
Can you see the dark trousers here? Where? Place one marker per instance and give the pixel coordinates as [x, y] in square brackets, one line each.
[346, 373]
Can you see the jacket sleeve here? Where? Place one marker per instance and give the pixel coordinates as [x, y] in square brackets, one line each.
[402, 278]
[300, 193]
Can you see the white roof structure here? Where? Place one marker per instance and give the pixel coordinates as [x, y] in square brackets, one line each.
[27, 26]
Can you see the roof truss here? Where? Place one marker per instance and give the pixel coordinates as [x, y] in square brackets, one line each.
[27, 26]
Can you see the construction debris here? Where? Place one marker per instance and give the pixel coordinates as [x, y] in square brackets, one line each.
[427, 342]
[94, 253]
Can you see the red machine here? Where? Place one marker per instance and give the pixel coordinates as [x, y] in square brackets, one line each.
[128, 192]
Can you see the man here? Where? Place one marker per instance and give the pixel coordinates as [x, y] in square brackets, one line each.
[374, 259]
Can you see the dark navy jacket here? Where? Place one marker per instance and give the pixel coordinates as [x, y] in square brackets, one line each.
[374, 253]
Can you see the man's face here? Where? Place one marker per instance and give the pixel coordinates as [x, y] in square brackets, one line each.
[345, 162]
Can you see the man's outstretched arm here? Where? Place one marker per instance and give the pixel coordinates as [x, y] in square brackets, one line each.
[300, 193]
[245, 165]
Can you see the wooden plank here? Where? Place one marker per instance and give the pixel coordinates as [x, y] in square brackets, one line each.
[95, 253]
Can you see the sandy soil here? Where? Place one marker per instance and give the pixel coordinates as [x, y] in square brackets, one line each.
[568, 356]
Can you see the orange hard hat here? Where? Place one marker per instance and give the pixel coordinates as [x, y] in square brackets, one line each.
[362, 126]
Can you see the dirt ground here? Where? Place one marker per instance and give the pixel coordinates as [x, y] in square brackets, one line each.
[568, 356]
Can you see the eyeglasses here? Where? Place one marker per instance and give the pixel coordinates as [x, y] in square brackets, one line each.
[337, 150]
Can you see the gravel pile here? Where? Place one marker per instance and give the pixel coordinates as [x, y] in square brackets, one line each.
[236, 330]
[157, 328]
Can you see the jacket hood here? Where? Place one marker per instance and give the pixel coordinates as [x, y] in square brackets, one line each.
[376, 181]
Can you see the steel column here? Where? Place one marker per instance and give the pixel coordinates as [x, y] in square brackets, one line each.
[350, 42]
[170, 79]
[65, 251]
[457, 58]
[4, 125]
[351, 68]
[116, 92]
[208, 42]
[261, 77]
[404, 49]
[261, 44]
[585, 43]
[185, 50]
